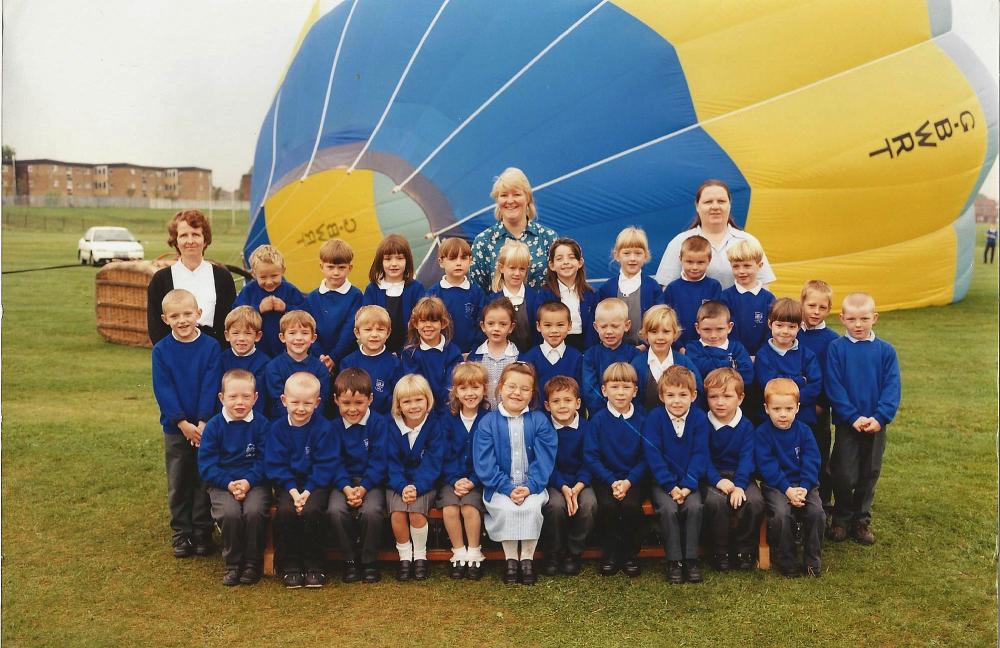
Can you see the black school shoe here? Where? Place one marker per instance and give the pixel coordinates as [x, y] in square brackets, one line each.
[371, 573]
[721, 561]
[293, 579]
[550, 564]
[315, 579]
[351, 572]
[675, 572]
[745, 561]
[232, 577]
[250, 575]
[528, 574]
[510, 572]
[405, 570]
[608, 566]
[474, 571]
[203, 545]
[570, 565]
[182, 547]
[692, 571]
[631, 568]
[421, 568]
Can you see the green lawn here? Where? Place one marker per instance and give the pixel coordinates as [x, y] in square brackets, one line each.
[86, 557]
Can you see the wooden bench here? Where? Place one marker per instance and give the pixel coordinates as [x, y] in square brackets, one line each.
[647, 551]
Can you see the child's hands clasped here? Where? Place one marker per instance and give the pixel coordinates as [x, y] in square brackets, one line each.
[192, 432]
[272, 303]
[519, 494]
[299, 499]
[796, 496]
[355, 495]
[463, 486]
[679, 494]
[737, 497]
[239, 489]
[867, 424]
[620, 488]
[409, 494]
[572, 498]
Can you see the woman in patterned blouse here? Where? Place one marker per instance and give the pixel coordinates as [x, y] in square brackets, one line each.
[515, 214]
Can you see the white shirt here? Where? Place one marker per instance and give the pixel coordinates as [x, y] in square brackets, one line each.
[343, 290]
[230, 419]
[655, 366]
[870, 338]
[724, 346]
[411, 434]
[755, 290]
[551, 353]
[678, 423]
[249, 353]
[782, 352]
[197, 334]
[444, 283]
[615, 413]
[818, 327]
[371, 355]
[363, 421]
[716, 423]
[628, 286]
[574, 424]
[515, 298]
[467, 422]
[718, 268]
[439, 346]
[568, 296]
[509, 352]
[503, 411]
[392, 289]
[201, 284]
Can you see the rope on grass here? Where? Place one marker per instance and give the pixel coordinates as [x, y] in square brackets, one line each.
[57, 267]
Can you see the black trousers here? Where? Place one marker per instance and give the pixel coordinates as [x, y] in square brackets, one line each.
[990, 250]
[680, 524]
[190, 509]
[719, 514]
[824, 439]
[621, 522]
[298, 539]
[242, 524]
[365, 523]
[855, 464]
[781, 515]
[560, 530]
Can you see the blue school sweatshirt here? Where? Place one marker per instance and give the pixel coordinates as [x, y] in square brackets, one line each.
[491, 452]
[570, 364]
[799, 364]
[420, 465]
[252, 295]
[412, 292]
[613, 447]
[676, 461]
[650, 294]
[595, 360]
[588, 304]
[385, 369]
[862, 379]
[730, 450]
[532, 300]
[707, 358]
[256, 363]
[641, 365]
[280, 368]
[686, 297]
[458, 453]
[362, 451]
[232, 450]
[305, 457]
[334, 315]
[786, 457]
[748, 313]
[818, 341]
[464, 305]
[436, 366]
[186, 379]
[570, 466]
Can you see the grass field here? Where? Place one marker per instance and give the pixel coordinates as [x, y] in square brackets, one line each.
[86, 543]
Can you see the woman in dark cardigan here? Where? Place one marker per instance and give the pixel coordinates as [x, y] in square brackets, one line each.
[190, 233]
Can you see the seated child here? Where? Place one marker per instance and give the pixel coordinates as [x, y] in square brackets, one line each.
[659, 330]
[463, 299]
[392, 286]
[497, 351]
[270, 294]
[429, 351]
[782, 357]
[297, 333]
[301, 459]
[788, 461]
[513, 452]
[728, 490]
[569, 513]
[231, 464]
[677, 453]
[748, 300]
[186, 378]
[610, 321]
[371, 328]
[693, 288]
[415, 447]
[566, 282]
[554, 356]
[639, 291]
[460, 496]
[243, 331]
[357, 500]
[862, 381]
[334, 303]
[513, 262]
[613, 451]
[714, 348]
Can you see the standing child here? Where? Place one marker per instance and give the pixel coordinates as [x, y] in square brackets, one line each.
[639, 291]
[514, 451]
[554, 356]
[610, 321]
[613, 450]
[463, 300]
[231, 464]
[497, 351]
[782, 357]
[714, 348]
[371, 328]
[334, 303]
[297, 333]
[429, 351]
[186, 379]
[415, 447]
[693, 288]
[659, 330]
[788, 461]
[243, 331]
[748, 300]
[509, 281]
[566, 282]
[392, 286]
[862, 381]
[569, 513]
[301, 458]
[270, 294]
[460, 496]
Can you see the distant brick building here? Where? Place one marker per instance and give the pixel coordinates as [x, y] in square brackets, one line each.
[44, 177]
[244, 190]
[986, 209]
[8, 181]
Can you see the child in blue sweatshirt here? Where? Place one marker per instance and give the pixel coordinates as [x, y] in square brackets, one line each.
[748, 300]
[639, 291]
[566, 282]
[783, 357]
[728, 489]
[297, 333]
[334, 304]
[231, 464]
[243, 331]
[429, 351]
[371, 328]
[693, 288]
[509, 281]
[391, 286]
[676, 450]
[788, 462]
[611, 322]
[186, 378]
[554, 356]
[270, 294]
[714, 348]
[357, 499]
[301, 460]
[613, 451]
[659, 330]
[862, 381]
[463, 300]
[497, 323]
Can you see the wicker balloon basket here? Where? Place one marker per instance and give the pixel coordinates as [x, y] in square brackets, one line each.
[121, 299]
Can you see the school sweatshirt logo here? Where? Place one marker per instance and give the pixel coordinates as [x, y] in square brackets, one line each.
[758, 317]
[470, 309]
[365, 441]
[307, 451]
[251, 451]
[797, 450]
[379, 385]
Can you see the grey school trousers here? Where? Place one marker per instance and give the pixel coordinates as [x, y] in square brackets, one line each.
[242, 524]
[365, 522]
[680, 536]
[718, 514]
[560, 530]
[855, 464]
[190, 509]
[780, 536]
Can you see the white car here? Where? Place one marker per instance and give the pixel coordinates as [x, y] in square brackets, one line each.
[103, 244]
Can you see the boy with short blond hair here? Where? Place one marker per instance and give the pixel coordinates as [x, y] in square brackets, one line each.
[372, 326]
[243, 332]
[863, 383]
[639, 291]
[270, 294]
[463, 300]
[611, 322]
[693, 288]
[748, 300]
[297, 331]
[554, 356]
[334, 303]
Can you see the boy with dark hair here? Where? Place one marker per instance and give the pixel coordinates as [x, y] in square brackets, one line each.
[693, 288]
[783, 357]
[334, 303]
[554, 357]
[463, 300]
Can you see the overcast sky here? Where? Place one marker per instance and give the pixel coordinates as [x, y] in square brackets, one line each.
[187, 82]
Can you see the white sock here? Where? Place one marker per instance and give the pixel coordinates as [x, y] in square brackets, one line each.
[458, 555]
[509, 549]
[405, 551]
[419, 538]
[474, 556]
[528, 549]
